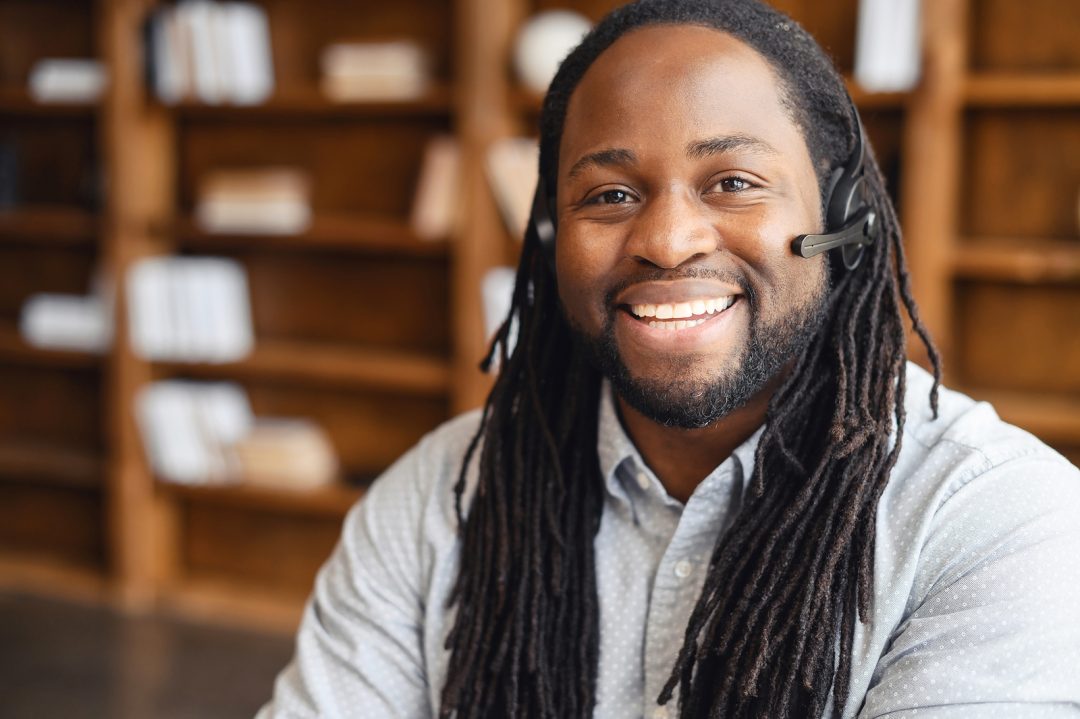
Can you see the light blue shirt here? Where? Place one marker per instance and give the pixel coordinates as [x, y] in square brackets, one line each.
[977, 578]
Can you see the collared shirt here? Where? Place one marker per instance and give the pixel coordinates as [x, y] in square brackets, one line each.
[976, 611]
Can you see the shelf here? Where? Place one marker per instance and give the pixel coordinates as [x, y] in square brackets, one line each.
[33, 573]
[314, 105]
[1021, 260]
[50, 463]
[49, 225]
[350, 233]
[14, 349]
[332, 501]
[1017, 90]
[1052, 418]
[325, 364]
[17, 101]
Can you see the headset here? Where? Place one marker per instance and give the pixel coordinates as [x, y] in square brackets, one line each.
[848, 210]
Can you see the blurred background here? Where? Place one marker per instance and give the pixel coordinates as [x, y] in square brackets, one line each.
[251, 251]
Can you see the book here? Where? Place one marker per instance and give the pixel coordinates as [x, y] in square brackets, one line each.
[888, 45]
[374, 71]
[286, 453]
[268, 201]
[67, 322]
[436, 202]
[67, 80]
[512, 169]
[189, 309]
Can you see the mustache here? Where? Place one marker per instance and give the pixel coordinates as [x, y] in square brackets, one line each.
[656, 274]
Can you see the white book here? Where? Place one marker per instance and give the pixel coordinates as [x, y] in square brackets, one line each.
[512, 171]
[66, 322]
[198, 18]
[437, 198]
[250, 59]
[888, 45]
[170, 70]
[148, 308]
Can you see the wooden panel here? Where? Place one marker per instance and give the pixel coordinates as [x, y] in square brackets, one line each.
[356, 167]
[390, 302]
[300, 29]
[1029, 35]
[33, 29]
[1019, 337]
[57, 159]
[369, 430]
[62, 406]
[884, 128]
[280, 553]
[62, 524]
[26, 270]
[1023, 173]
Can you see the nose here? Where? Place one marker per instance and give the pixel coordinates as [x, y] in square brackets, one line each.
[671, 228]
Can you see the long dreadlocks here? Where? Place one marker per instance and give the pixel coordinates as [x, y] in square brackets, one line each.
[795, 570]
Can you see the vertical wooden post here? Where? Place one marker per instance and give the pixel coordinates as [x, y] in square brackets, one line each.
[137, 142]
[932, 154]
[481, 100]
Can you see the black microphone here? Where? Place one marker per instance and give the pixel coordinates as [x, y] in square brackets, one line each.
[853, 236]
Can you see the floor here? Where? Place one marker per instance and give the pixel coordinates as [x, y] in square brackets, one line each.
[76, 661]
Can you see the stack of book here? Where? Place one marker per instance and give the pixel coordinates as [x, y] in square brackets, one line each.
[212, 52]
[887, 45]
[189, 309]
[512, 169]
[267, 201]
[374, 71]
[205, 433]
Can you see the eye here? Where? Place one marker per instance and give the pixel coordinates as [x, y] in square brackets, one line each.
[610, 197]
[733, 184]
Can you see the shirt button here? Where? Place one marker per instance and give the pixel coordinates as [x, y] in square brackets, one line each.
[642, 480]
[660, 713]
[683, 569]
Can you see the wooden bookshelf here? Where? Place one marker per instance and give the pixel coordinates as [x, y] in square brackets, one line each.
[375, 333]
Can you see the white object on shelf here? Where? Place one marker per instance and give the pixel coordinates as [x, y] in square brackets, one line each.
[67, 80]
[435, 205]
[888, 45]
[189, 309]
[264, 201]
[512, 168]
[543, 41]
[374, 71]
[187, 427]
[67, 322]
[286, 453]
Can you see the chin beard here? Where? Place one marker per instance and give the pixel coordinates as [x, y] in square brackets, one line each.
[699, 402]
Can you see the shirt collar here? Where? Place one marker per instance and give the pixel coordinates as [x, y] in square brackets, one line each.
[615, 448]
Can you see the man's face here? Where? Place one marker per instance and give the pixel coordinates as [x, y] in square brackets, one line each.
[682, 181]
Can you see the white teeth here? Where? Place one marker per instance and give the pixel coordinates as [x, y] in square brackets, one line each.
[677, 325]
[683, 310]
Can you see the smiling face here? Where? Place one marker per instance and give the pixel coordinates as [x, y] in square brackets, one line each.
[682, 181]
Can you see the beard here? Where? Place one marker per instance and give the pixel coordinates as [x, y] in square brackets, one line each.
[674, 400]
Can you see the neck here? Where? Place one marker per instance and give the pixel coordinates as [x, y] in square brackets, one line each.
[682, 458]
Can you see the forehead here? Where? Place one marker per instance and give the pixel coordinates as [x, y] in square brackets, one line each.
[674, 83]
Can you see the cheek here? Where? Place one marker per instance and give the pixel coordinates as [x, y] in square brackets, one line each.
[581, 272]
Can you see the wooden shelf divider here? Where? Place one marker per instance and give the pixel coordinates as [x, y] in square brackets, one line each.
[15, 349]
[360, 234]
[49, 225]
[324, 364]
[313, 105]
[1018, 260]
[1023, 90]
[50, 463]
[332, 501]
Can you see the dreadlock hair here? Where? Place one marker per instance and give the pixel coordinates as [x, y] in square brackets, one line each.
[795, 569]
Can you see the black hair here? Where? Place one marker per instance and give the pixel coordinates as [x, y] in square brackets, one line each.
[793, 572]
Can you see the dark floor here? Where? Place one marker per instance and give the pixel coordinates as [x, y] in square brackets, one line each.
[80, 662]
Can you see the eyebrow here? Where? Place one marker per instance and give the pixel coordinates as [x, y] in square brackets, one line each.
[696, 150]
[700, 149]
[603, 158]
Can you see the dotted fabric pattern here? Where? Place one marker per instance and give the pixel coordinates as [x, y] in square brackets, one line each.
[977, 579]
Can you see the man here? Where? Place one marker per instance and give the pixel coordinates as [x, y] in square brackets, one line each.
[706, 482]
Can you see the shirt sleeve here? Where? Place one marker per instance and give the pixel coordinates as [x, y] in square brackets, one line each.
[359, 647]
[995, 626]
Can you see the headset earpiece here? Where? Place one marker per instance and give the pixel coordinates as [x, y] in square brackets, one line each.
[850, 221]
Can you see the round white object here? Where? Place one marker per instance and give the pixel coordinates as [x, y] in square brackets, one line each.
[542, 43]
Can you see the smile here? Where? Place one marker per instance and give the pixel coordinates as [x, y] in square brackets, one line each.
[681, 315]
